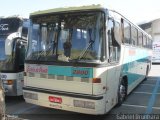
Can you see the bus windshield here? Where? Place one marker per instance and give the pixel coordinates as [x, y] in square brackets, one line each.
[6, 61]
[67, 37]
[2, 48]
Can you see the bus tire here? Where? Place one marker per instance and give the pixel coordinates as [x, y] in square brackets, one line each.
[147, 72]
[122, 91]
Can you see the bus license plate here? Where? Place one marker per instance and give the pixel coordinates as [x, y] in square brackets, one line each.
[55, 99]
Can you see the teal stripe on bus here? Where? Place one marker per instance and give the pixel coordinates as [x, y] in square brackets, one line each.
[71, 71]
[133, 69]
[60, 70]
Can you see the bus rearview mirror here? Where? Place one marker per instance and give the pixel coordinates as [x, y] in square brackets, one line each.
[9, 42]
[8, 47]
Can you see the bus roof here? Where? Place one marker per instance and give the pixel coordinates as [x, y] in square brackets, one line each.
[64, 9]
[13, 17]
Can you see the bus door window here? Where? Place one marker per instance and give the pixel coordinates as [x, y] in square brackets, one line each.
[113, 40]
[117, 41]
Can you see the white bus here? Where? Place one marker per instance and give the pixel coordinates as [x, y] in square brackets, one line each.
[156, 51]
[13, 43]
[84, 59]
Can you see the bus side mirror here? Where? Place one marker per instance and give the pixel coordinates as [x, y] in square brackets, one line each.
[8, 46]
[9, 42]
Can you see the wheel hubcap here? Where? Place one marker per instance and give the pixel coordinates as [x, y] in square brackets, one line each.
[122, 92]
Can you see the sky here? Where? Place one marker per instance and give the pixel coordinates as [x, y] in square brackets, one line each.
[137, 11]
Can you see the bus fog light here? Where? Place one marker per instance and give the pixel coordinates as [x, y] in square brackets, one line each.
[78, 103]
[90, 105]
[28, 95]
[84, 104]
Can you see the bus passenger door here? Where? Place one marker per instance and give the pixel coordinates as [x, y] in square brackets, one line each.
[113, 71]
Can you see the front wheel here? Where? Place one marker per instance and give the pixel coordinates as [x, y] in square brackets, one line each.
[122, 92]
[147, 72]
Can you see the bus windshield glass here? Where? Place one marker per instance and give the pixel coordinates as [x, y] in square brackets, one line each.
[67, 37]
[6, 61]
[2, 49]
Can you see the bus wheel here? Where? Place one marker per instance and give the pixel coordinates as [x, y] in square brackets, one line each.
[147, 72]
[122, 92]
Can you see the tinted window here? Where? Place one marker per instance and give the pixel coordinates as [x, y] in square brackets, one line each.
[127, 32]
[144, 41]
[140, 38]
[134, 35]
[9, 25]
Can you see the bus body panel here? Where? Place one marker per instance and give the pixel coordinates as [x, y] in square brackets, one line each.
[70, 79]
[112, 82]
[135, 62]
[107, 88]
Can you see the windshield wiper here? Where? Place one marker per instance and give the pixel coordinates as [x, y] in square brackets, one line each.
[84, 52]
[45, 50]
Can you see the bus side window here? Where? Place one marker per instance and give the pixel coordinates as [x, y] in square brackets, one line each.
[127, 32]
[144, 41]
[134, 35]
[140, 39]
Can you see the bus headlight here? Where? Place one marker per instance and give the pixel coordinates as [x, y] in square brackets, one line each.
[84, 104]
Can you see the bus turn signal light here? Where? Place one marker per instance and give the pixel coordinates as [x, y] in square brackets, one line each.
[9, 82]
[96, 80]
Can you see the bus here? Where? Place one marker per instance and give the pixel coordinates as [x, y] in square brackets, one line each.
[13, 44]
[156, 52]
[84, 59]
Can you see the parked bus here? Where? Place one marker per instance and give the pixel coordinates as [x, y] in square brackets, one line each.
[156, 51]
[13, 44]
[84, 59]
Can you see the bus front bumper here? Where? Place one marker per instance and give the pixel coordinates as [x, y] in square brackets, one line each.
[65, 101]
[12, 89]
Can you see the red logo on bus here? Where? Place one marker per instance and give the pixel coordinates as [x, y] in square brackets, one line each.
[55, 99]
[37, 69]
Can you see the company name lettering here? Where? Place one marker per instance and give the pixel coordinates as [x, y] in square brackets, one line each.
[4, 27]
[37, 69]
[80, 72]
